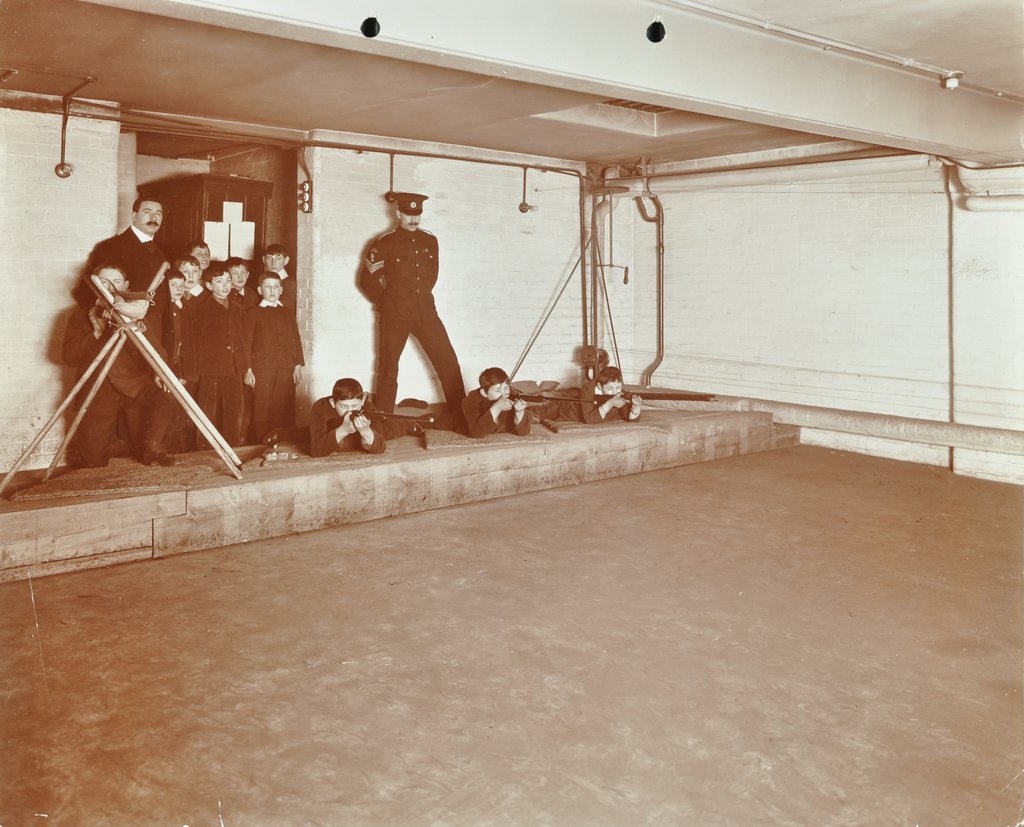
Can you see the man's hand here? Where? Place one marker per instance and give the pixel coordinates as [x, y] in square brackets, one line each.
[297, 374]
[250, 378]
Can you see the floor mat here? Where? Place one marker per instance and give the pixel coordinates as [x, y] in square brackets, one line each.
[126, 477]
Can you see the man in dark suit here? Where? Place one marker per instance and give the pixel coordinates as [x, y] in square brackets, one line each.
[133, 251]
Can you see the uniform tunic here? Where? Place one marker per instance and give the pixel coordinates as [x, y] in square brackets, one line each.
[398, 275]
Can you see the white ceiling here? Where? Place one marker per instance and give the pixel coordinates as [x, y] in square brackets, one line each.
[270, 78]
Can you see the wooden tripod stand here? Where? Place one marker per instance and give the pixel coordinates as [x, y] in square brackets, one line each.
[103, 361]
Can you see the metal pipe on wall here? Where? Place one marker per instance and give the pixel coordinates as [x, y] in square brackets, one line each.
[860, 423]
[597, 215]
[659, 220]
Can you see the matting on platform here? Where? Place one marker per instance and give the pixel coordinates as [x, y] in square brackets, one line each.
[124, 477]
[293, 457]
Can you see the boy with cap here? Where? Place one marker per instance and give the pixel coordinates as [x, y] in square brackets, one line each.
[398, 275]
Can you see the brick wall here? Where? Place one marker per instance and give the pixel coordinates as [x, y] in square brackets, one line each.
[48, 226]
[988, 256]
[499, 267]
[836, 293]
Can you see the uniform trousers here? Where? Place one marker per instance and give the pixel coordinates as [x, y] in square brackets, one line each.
[433, 338]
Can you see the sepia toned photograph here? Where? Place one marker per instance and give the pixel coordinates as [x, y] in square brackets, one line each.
[549, 414]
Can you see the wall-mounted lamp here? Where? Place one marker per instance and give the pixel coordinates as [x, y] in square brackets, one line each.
[524, 206]
[951, 80]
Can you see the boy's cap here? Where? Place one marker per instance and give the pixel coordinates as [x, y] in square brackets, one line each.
[411, 203]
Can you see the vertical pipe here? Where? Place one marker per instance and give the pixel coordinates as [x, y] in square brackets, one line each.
[950, 284]
[659, 219]
[583, 258]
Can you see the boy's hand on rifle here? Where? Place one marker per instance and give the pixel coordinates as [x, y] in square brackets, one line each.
[617, 401]
[362, 425]
[499, 406]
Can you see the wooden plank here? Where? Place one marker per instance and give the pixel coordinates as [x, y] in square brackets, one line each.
[61, 530]
[95, 561]
[278, 503]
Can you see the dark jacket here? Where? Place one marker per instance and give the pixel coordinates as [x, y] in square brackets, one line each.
[324, 421]
[399, 273]
[477, 409]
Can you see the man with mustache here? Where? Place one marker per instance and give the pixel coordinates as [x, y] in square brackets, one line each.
[134, 251]
[137, 255]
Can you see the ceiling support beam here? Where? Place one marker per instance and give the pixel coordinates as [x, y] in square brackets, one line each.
[705, 64]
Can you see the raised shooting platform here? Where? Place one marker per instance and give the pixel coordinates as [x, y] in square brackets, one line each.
[70, 529]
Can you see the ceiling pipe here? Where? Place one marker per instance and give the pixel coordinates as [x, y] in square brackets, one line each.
[659, 183]
[994, 203]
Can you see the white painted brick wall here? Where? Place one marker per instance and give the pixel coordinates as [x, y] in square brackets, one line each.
[499, 267]
[988, 252]
[48, 226]
[836, 293]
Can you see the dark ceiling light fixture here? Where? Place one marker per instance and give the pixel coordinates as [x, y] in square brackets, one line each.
[656, 31]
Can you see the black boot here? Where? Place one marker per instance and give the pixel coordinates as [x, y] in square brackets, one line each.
[155, 454]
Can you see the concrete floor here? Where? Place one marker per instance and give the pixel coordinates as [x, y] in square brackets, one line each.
[798, 637]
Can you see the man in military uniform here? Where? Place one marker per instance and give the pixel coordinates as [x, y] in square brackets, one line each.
[398, 276]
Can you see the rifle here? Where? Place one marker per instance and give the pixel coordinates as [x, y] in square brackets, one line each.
[662, 396]
[600, 399]
[380, 416]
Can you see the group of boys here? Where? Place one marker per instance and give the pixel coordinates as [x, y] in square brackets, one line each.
[236, 348]
[347, 420]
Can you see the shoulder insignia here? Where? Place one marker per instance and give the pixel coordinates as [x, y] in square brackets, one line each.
[425, 232]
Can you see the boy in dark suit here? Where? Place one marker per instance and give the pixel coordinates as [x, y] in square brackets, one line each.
[490, 410]
[215, 356]
[246, 296]
[274, 352]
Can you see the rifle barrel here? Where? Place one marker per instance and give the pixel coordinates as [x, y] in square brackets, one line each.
[601, 398]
